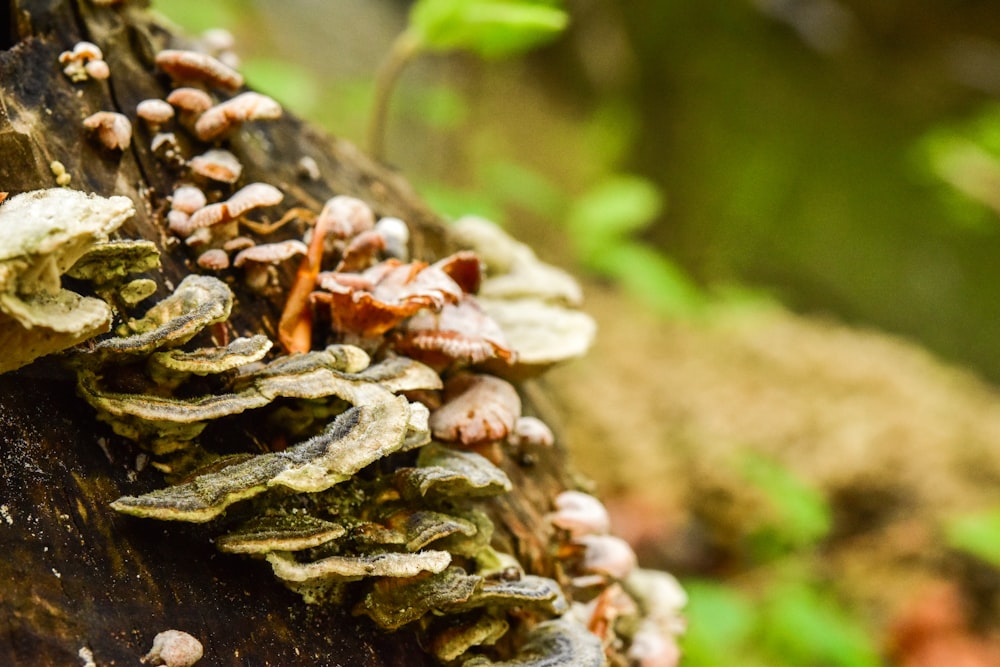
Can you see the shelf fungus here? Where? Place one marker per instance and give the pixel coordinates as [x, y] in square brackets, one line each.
[367, 484]
[45, 233]
[534, 304]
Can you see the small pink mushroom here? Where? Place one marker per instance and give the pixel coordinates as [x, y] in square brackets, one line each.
[477, 409]
[113, 129]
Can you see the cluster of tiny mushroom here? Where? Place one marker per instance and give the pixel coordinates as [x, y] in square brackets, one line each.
[385, 418]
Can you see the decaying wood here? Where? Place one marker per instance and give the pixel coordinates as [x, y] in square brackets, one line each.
[75, 578]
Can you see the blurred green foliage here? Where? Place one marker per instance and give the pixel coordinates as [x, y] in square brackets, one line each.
[488, 28]
[782, 612]
[977, 534]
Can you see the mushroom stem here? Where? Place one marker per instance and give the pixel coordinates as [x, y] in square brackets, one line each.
[405, 48]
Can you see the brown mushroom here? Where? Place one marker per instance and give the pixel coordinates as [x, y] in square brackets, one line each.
[376, 300]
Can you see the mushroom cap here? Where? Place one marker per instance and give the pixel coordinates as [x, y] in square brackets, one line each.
[458, 332]
[378, 299]
[154, 111]
[192, 100]
[184, 66]
[343, 217]
[97, 69]
[477, 408]
[270, 253]
[216, 121]
[243, 200]
[114, 130]
[542, 333]
[580, 514]
[214, 259]
[217, 165]
[187, 199]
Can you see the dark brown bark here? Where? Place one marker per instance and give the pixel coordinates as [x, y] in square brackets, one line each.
[74, 574]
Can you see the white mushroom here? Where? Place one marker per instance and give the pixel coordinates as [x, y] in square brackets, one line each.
[580, 514]
[173, 648]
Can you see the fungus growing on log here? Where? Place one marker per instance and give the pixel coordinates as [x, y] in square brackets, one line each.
[45, 233]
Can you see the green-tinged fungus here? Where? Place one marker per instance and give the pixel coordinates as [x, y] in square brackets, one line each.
[42, 234]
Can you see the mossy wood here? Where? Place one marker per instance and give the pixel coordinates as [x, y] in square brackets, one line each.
[76, 578]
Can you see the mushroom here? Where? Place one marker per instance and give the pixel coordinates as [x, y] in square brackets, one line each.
[606, 556]
[187, 199]
[344, 217]
[191, 101]
[446, 472]
[46, 232]
[216, 165]
[155, 112]
[477, 408]
[255, 195]
[213, 259]
[259, 261]
[195, 67]
[221, 118]
[396, 236]
[378, 299]
[460, 332]
[85, 61]
[580, 514]
[543, 334]
[531, 431]
[114, 130]
[173, 648]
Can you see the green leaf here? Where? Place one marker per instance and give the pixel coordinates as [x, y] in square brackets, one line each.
[801, 513]
[648, 275]
[977, 534]
[614, 208]
[801, 626]
[489, 28]
[719, 620]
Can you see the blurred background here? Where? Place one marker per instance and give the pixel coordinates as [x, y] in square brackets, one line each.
[786, 215]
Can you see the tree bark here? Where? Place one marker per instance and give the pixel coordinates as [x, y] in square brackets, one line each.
[75, 578]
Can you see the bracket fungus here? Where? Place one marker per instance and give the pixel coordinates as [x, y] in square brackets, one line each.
[44, 233]
[361, 479]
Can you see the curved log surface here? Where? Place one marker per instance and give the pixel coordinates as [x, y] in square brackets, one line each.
[76, 579]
